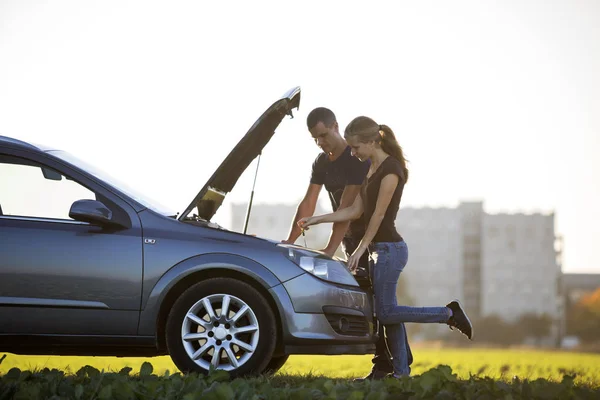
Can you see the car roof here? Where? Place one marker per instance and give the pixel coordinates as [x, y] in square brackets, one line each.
[20, 144]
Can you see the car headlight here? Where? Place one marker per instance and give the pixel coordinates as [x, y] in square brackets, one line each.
[320, 266]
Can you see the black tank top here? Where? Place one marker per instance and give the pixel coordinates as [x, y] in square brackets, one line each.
[387, 230]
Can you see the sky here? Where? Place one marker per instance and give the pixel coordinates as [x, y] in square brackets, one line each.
[491, 101]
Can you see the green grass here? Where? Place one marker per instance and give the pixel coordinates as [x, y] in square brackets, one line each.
[496, 364]
[439, 374]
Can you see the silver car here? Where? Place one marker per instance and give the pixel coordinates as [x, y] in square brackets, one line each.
[90, 267]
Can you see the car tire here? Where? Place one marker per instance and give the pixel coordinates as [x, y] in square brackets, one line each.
[244, 338]
[275, 364]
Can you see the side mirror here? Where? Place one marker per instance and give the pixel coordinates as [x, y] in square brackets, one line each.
[91, 211]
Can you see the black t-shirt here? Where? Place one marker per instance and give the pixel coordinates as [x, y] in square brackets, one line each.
[370, 191]
[335, 175]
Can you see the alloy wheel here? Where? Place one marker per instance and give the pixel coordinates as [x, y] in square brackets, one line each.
[220, 330]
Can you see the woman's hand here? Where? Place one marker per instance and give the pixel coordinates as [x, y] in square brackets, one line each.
[305, 222]
[355, 257]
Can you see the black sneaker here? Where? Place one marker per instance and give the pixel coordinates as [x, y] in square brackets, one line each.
[375, 375]
[459, 319]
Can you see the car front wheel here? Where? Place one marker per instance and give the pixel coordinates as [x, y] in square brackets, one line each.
[223, 323]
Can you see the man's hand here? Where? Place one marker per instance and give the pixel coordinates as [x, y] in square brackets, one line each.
[354, 258]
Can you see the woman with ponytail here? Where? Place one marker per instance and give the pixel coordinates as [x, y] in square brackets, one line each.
[388, 253]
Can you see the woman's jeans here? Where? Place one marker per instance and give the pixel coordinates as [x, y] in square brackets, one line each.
[388, 259]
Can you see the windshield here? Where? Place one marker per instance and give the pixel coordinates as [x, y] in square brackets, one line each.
[114, 182]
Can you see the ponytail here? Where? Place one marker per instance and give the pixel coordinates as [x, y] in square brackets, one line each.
[390, 145]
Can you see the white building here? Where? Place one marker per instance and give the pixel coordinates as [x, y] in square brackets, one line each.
[519, 269]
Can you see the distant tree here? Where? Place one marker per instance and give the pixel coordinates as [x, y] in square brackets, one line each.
[493, 329]
[584, 318]
[592, 302]
[534, 325]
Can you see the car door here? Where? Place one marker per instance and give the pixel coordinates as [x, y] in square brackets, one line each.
[57, 275]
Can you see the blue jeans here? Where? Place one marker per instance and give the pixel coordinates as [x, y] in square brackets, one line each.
[388, 259]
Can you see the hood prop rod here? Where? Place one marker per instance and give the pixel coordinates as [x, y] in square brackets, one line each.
[251, 196]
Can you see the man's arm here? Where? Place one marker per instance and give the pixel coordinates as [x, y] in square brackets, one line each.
[339, 228]
[306, 208]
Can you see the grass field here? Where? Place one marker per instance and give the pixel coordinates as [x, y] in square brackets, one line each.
[439, 374]
[497, 364]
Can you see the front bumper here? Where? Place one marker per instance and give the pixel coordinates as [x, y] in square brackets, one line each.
[322, 318]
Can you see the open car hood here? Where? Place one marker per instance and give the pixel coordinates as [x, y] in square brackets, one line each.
[211, 196]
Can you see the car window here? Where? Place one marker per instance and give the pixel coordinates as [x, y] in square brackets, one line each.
[115, 183]
[28, 189]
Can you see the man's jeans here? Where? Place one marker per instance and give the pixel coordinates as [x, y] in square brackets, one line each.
[382, 358]
[387, 262]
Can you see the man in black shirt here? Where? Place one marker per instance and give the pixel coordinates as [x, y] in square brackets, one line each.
[342, 174]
